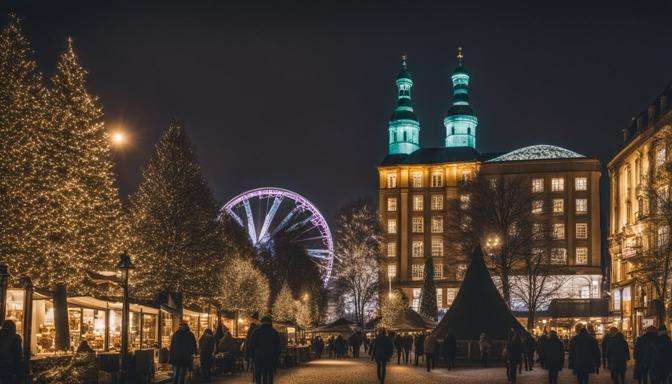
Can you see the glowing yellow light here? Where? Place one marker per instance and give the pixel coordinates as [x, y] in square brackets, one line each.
[118, 138]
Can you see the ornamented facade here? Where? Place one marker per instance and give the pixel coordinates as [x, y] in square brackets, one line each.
[416, 184]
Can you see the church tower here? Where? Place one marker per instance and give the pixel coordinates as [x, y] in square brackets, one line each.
[461, 120]
[404, 128]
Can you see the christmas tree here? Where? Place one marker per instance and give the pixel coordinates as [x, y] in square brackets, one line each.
[428, 307]
[177, 242]
[243, 287]
[285, 307]
[28, 218]
[90, 209]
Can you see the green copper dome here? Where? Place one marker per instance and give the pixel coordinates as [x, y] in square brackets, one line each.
[403, 128]
[460, 120]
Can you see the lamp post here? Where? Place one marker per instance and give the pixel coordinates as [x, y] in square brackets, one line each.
[124, 267]
[27, 325]
[4, 279]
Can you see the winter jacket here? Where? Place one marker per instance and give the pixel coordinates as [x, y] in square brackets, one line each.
[419, 344]
[530, 345]
[618, 353]
[584, 353]
[543, 339]
[382, 349]
[644, 351]
[398, 342]
[606, 341]
[408, 343]
[339, 346]
[11, 354]
[265, 346]
[182, 347]
[661, 357]
[431, 344]
[206, 348]
[514, 351]
[554, 353]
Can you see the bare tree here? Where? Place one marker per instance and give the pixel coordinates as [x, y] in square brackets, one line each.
[358, 238]
[496, 213]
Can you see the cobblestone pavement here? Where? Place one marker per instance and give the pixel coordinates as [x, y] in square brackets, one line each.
[362, 371]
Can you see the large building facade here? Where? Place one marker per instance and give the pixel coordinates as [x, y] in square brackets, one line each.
[416, 185]
[635, 227]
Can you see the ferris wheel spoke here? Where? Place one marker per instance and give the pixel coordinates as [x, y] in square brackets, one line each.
[250, 222]
[285, 221]
[263, 237]
[322, 254]
[300, 224]
[236, 217]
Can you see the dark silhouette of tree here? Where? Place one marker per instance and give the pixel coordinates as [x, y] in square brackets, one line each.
[428, 305]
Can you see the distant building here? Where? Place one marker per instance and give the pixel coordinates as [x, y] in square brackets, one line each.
[634, 226]
[415, 185]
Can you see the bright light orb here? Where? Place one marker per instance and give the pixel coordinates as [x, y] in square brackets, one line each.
[118, 138]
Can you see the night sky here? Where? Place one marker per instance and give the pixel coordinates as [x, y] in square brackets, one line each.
[298, 94]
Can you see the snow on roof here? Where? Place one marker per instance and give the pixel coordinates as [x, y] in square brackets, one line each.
[537, 152]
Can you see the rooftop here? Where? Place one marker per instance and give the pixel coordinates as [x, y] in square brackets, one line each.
[438, 156]
[538, 152]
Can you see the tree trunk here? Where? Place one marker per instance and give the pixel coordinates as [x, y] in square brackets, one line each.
[61, 323]
[530, 319]
[506, 291]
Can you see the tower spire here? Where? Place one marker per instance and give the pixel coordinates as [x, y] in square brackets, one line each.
[461, 120]
[403, 128]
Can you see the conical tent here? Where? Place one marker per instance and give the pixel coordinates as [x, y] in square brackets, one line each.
[478, 307]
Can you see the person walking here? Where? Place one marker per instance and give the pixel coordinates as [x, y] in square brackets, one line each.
[182, 350]
[318, 346]
[408, 346]
[541, 345]
[206, 350]
[514, 355]
[450, 350]
[643, 354]
[584, 355]
[529, 346]
[340, 349]
[484, 345]
[248, 356]
[554, 356]
[356, 344]
[399, 346]
[11, 353]
[618, 354]
[606, 340]
[265, 347]
[366, 342]
[431, 349]
[382, 350]
[419, 346]
[661, 357]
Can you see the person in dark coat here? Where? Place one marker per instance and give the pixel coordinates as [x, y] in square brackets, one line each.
[182, 350]
[340, 347]
[355, 341]
[529, 346]
[407, 346]
[318, 346]
[554, 356]
[644, 354]
[431, 349]
[265, 348]
[484, 345]
[606, 340]
[11, 353]
[514, 355]
[382, 350]
[618, 355]
[206, 350]
[584, 355]
[419, 344]
[248, 356]
[540, 346]
[450, 350]
[366, 342]
[661, 357]
[399, 346]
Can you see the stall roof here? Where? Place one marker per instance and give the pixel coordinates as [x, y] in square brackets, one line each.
[341, 325]
[111, 303]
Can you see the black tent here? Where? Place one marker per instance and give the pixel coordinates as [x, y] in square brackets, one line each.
[478, 307]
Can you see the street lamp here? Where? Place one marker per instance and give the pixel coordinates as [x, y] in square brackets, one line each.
[124, 266]
[4, 279]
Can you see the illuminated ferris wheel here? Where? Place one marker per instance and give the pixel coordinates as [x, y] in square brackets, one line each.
[266, 213]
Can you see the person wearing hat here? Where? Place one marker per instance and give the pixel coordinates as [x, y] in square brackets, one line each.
[265, 348]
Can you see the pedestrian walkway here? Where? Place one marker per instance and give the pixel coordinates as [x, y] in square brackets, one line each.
[363, 371]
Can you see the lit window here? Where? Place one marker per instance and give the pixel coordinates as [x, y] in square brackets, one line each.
[450, 295]
[663, 235]
[537, 253]
[661, 154]
[581, 230]
[391, 180]
[537, 185]
[537, 207]
[581, 183]
[437, 202]
[417, 225]
[581, 206]
[466, 175]
[437, 247]
[391, 225]
[437, 179]
[559, 231]
[391, 271]
[584, 292]
[391, 204]
[616, 295]
[416, 179]
[418, 202]
[417, 271]
[537, 231]
[418, 248]
[581, 255]
[437, 224]
[464, 201]
[415, 302]
[391, 249]
[557, 184]
[439, 298]
[493, 183]
[438, 271]
[558, 206]
[461, 271]
[559, 256]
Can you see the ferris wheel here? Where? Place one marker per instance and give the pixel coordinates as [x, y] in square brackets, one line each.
[266, 213]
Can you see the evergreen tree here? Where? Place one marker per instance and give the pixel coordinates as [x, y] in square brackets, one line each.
[392, 308]
[176, 239]
[89, 205]
[243, 287]
[285, 307]
[28, 240]
[428, 307]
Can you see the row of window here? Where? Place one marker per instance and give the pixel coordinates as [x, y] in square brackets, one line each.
[418, 271]
[558, 184]
[558, 205]
[451, 293]
[436, 180]
[418, 203]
